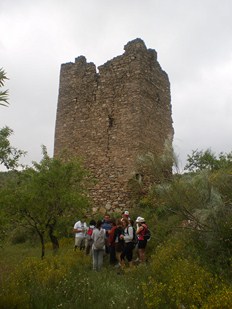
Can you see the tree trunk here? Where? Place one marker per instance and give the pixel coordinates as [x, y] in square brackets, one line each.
[53, 238]
[41, 236]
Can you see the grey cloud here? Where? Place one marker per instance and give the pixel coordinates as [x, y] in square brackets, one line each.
[192, 39]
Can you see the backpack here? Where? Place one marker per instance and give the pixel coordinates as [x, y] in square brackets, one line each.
[147, 235]
[89, 233]
[99, 243]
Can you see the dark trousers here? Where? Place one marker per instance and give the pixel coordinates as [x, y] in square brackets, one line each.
[113, 259]
[127, 251]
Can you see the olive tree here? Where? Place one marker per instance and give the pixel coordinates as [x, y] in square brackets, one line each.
[45, 193]
[200, 160]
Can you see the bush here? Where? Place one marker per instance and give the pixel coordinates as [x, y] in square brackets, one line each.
[34, 274]
[222, 298]
[177, 279]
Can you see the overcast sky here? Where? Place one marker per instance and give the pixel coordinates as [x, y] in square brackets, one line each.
[193, 40]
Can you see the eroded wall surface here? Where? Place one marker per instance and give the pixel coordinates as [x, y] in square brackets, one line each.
[110, 117]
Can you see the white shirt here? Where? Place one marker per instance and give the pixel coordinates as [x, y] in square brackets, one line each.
[82, 227]
[128, 234]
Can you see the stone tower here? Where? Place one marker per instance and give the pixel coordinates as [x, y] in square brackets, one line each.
[111, 117]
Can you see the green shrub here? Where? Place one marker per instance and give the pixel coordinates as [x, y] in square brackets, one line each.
[34, 274]
[189, 284]
[222, 298]
[176, 279]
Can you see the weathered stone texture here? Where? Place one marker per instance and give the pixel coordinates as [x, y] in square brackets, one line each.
[111, 117]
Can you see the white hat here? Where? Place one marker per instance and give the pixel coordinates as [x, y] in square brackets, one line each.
[126, 213]
[140, 220]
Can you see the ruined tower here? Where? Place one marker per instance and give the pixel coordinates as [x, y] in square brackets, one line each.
[111, 117]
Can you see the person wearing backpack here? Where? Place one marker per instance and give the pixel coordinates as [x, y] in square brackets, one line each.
[142, 240]
[98, 246]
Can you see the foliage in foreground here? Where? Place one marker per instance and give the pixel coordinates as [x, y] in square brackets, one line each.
[177, 280]
[174, 278]
[202, 205]
[67, 281]
[189, 267]
[197, 208]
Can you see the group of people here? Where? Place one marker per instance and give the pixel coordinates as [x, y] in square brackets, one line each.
[118, 238]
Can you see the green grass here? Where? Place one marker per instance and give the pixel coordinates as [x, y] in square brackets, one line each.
[174, 276]
[65, 280]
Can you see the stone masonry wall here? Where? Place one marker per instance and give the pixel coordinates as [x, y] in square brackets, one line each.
[111, 117]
